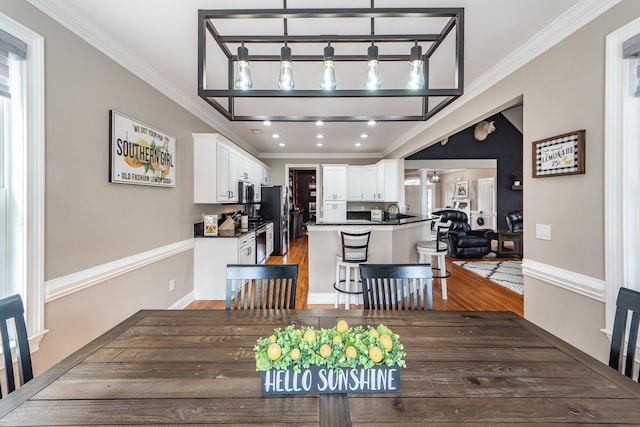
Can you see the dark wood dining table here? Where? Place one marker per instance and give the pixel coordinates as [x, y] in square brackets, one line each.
[167, 367]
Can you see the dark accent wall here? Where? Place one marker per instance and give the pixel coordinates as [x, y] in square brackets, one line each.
[505, 145]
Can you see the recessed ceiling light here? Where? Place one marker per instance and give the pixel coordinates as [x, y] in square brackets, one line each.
[371, 122]
[275, 136]
[319, 123]
[364, 135]
[266, 123]
[319, 136]
[281, 144]
[256, 131]
[358, 144]
[319, 144]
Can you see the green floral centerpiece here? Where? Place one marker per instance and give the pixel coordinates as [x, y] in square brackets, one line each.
[347, 358]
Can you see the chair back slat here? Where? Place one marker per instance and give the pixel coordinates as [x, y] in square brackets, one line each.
[396, 286]
[621, 355]
[355, 245]
[442, 228]
[261, 286]
[12, 316]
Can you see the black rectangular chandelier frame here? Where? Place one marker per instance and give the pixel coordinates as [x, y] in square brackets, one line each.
[454, 23]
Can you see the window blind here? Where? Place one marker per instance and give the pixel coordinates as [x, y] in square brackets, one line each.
[9, 45]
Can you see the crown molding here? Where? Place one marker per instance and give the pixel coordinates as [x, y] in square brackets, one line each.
[320, 155]
[126, 58]
[566, 24]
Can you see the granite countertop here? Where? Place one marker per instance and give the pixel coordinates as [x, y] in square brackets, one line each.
[399, 219]
[198, 230]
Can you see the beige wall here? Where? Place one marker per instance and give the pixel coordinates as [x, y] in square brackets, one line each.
[563, 91]
[89, 221]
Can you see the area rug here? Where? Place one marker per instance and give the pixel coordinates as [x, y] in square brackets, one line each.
[504, 273]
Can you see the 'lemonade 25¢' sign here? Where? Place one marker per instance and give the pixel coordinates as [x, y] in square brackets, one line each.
[140, 154]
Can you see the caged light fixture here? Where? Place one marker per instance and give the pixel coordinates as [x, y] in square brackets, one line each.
[373, 37]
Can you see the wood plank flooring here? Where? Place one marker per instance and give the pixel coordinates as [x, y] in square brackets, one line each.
[467, 291]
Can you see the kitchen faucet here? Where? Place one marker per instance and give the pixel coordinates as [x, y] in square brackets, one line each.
[395, 211]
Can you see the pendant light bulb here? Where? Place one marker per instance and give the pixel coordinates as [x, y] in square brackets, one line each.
[328, 80]
[416, 70]
[243, 74]
[374, 80]
[285, 81]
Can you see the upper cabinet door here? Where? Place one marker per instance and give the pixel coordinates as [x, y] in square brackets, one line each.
[355, 191]
[334, 182]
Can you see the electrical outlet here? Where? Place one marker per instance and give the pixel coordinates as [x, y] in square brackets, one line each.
[543, 231]
[172, 284]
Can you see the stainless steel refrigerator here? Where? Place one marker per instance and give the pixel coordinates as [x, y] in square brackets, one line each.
[274, 206]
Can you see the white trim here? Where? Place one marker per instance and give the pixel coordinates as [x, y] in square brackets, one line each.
[321, 155]
[35, 172]
[569, 22]
[66, 285]
[616, 149]
[183, 302]
[574, 282]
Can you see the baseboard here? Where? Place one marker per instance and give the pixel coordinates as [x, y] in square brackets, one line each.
[574, 282]
[66, 285]
[183, 302]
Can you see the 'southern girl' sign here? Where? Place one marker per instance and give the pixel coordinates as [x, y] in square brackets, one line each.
[140, 154]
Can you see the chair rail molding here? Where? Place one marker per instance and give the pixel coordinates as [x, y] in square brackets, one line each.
[574, 282]
[74, 282]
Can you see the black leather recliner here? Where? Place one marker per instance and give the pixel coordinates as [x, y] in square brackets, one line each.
[463, 241]
[514, 221]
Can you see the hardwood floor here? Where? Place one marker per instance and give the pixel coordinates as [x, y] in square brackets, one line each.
[467, 291]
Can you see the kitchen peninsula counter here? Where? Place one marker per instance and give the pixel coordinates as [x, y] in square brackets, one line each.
[392, 241]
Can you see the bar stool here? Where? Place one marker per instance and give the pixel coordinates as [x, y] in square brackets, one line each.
[437, 248]
[354, 251]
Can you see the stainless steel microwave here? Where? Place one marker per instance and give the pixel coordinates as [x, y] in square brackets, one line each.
[245, 192]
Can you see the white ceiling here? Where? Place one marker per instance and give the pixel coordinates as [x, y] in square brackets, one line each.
[157, 40]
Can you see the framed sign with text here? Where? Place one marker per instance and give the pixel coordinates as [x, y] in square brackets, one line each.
[560, 155]
[140, 154]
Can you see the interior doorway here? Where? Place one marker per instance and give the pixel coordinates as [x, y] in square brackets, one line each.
[487, 202]
[304, 187]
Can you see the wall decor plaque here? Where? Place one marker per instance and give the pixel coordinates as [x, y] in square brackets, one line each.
[560, 155]
[140, 154]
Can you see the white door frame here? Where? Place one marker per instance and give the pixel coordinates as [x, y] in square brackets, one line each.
[621, 175]
[494, 215]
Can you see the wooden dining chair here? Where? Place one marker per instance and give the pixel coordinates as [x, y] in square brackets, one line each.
[261, 286]
[12, 327]
[396, 286]
[628, 301]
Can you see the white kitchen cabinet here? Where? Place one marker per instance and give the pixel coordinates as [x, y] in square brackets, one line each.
[334, 211]
[380, 181]
[369, 183]
[210, 258]
[391, 181]
[334, 182]
[361, 183]
[355, 191]
[227, 166]
[218, 165]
